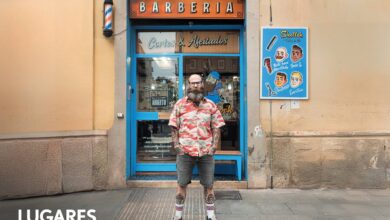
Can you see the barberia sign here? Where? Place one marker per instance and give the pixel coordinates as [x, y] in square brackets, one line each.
[186, 9]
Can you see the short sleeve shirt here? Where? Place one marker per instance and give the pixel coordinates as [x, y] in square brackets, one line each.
[195, 124]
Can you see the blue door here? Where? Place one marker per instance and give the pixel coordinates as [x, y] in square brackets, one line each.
[162, 61]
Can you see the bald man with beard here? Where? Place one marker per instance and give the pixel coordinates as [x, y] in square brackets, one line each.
[195, 122]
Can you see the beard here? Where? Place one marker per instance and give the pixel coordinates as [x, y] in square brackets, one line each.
[195, 95]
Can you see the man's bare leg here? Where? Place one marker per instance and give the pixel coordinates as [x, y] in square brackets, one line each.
[181, 192]
[209, 200]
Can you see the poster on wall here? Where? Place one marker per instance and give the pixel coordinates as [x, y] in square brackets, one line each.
[284, 63]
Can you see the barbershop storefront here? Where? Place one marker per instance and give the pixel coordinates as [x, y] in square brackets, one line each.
[298, 112]
[167, 42]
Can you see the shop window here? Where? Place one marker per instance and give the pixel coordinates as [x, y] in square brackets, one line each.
[222, 86]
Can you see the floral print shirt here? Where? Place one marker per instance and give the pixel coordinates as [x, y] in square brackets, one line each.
[195, 125]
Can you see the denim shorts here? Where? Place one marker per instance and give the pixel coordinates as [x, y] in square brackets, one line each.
[185, 165]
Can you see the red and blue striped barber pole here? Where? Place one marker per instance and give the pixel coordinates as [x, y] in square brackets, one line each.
[107, 30]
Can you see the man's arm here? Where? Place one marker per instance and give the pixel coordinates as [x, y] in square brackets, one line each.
[216, 139]
[175, 140]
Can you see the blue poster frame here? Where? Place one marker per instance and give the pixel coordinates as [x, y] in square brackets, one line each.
[284, 66]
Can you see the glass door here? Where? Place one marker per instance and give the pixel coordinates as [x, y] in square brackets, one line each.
[157, 80]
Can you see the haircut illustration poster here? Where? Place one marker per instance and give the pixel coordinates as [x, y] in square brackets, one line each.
[284, 63]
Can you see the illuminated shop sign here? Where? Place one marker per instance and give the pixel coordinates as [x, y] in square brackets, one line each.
[187, 9]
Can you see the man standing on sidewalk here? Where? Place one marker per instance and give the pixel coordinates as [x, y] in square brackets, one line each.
[195, 123]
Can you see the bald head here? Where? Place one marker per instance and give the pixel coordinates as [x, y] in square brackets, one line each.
[194, 78]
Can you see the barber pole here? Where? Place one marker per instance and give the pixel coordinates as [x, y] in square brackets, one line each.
[107, 30]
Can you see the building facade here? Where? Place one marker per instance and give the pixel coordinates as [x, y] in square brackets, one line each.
[80, 111]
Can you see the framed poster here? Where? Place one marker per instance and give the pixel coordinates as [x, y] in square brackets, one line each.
[284, 63]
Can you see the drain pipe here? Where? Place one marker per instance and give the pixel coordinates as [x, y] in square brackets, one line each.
[270, 118]
[271, 149]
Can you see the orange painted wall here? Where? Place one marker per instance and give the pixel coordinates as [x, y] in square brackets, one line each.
[56, 69]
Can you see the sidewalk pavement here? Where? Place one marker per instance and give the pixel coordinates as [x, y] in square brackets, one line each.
[158, 203]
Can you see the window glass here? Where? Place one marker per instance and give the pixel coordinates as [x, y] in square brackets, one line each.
[157, 82]
[222, 86]
[154, 141]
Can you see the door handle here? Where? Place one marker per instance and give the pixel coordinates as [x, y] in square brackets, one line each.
[129, 92]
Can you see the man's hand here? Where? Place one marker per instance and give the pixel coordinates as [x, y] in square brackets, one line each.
[216, 139]
[175, 141]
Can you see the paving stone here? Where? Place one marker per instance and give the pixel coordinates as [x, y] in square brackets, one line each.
[236, 216]
[159, 203]
[361, 210]
[384, 193]
[381, 217]
[352, 217]
[384, 208]
[333, 210]
[223, 207]
[304, 209]
[272, 209]
[288, 217]
[106, 203]
[244, 207]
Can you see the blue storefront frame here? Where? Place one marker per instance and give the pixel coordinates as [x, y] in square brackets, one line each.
[132, 115]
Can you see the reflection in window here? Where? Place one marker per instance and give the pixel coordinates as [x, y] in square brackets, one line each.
[157, 81]
[222, 86]
[154, 141]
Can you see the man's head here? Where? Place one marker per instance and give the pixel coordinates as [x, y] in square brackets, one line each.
[296, 53]
[195, 91]
[280, 79]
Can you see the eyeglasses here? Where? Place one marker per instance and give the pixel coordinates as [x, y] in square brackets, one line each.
[195, 83]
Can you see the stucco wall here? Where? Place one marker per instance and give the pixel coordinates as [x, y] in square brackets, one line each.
[56, 68]
[56, 85]
[104, 70]
[331, 162]
[348, 65]
[339, 137]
